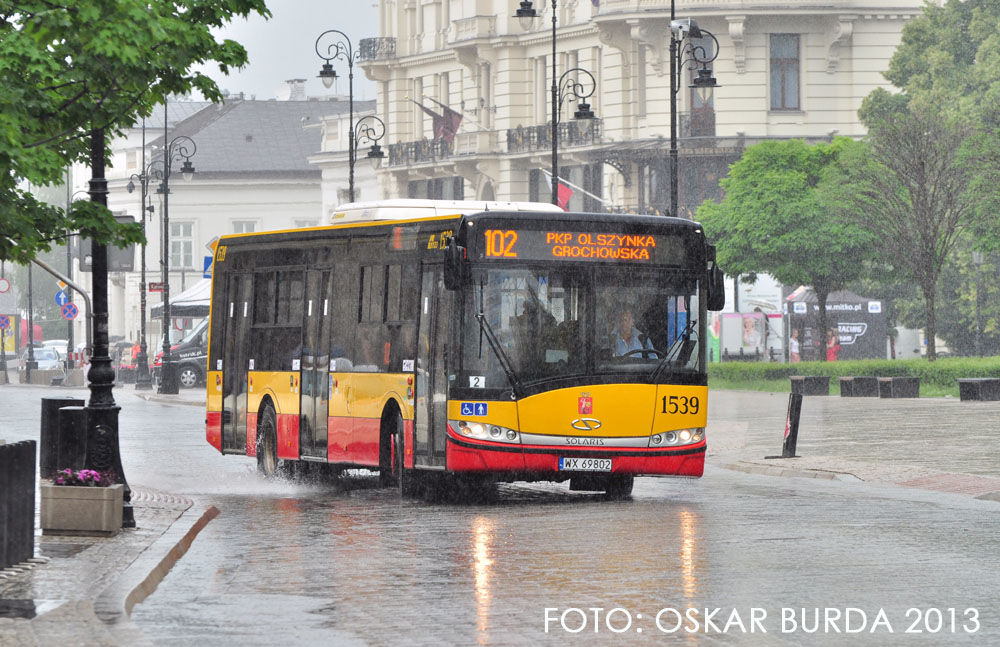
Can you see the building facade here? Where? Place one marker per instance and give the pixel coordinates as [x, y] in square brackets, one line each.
[786, 71]
[259, 166]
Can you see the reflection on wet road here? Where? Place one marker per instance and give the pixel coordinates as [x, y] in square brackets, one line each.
[295, 564]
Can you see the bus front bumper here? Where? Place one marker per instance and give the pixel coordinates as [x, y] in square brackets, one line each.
[466, 455]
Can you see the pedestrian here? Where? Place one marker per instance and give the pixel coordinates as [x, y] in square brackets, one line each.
[832, 345]
[793, 346]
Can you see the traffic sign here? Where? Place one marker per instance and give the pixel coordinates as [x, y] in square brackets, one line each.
[62, 285]
[69, 311]
[207, 273]
[4, 285]
[4, 322]
[61, 298]
[156, 287]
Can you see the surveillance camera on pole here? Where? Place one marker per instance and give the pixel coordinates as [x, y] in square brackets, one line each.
[685, 27]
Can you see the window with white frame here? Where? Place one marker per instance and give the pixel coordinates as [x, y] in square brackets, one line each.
[181, 245]
[785, 72]
[244, 226]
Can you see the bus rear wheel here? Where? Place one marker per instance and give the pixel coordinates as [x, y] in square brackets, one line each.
[267, 443]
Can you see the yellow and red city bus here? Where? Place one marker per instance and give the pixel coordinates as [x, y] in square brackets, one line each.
[482, 345]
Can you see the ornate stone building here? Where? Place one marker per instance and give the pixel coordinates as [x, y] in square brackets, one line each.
[785, 70]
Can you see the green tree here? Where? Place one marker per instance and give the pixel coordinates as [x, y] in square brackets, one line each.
[70, 66]
[779, 216]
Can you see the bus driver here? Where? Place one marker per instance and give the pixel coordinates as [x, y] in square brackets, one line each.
[626, 337]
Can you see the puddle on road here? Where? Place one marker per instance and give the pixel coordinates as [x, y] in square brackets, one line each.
[62, 549]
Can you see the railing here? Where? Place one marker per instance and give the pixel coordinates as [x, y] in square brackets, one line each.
[571, 133]
[373, 49]
[17, 503]
[475, 27]
[424, 150]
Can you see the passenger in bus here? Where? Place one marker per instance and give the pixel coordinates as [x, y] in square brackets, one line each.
[626, 338]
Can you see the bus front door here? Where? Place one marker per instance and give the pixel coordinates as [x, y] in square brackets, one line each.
[236, 339]
[434, 339]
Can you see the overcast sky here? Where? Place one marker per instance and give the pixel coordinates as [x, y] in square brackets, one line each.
[283, 47]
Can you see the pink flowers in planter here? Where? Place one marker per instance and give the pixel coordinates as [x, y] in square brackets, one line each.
[88, 478]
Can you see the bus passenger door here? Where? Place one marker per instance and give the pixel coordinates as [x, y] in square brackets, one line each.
[434, 344]
[236, 337]
[314, 367]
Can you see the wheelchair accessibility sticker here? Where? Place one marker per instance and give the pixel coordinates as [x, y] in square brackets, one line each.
[474, 408]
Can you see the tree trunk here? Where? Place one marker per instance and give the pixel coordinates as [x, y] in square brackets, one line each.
[931, 328]
[821, 296]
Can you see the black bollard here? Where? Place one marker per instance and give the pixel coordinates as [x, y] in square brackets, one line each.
[791, 426]
[73, 437]
[51, 436]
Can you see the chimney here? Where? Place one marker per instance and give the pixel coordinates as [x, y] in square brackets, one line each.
[296, 89]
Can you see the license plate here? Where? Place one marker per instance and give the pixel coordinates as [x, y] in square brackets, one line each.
[585, 464]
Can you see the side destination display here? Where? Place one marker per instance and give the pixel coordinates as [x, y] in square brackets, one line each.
[538, 245]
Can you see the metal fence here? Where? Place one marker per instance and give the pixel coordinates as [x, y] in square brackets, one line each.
[17, 503]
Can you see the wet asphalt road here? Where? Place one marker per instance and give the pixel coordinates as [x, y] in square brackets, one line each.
[350, 564]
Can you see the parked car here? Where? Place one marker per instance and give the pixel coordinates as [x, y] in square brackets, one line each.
[59, 345]
[190, 355]
[47, 359]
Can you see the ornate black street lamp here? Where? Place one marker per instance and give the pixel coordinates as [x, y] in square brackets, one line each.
[142, 378]
[370, 129]
[103, 450]
[342, 48]
[562, 89]
[684, 51]
[180, 148]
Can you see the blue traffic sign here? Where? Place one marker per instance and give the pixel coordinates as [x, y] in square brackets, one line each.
[61, 298]
[69, 311]
[4, 322]
[207, 273]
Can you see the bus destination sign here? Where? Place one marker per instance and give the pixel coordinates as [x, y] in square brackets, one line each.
[535, 245]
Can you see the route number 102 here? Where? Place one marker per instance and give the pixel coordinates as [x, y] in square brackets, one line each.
[681, 404]
[500, 243]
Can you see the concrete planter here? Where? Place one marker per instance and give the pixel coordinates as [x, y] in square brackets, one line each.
[81, 510]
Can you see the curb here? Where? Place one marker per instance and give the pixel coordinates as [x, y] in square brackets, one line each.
[168, 400]
[140, 580]
[767, 470]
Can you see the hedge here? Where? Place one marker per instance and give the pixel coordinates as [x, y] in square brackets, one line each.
[943, 372]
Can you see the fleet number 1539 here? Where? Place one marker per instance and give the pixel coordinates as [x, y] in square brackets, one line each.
[681, 404]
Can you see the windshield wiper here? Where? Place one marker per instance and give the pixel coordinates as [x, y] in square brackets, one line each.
[505, 363]
[681, 347]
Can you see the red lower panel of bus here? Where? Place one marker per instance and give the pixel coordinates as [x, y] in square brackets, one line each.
[288, 435]
[213, 429]
[251, 434]
[466, 456]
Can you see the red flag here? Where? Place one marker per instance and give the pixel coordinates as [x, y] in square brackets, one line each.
[563, 193]
[438, 121]
[451, 121]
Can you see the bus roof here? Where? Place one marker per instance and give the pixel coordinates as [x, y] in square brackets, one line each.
[403, 209]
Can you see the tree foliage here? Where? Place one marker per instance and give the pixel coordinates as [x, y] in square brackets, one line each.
[69, 66]
[929, 182]
[779, 216]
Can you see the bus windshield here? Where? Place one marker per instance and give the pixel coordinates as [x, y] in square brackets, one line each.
[557, 322]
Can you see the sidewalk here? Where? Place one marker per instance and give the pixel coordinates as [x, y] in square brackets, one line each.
[85, 588]
[939, 444]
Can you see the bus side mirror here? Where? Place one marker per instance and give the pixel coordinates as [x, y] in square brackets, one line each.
[454, 265]
[716, 289]
[716, 283]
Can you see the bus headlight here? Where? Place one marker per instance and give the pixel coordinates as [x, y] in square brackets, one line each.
[494, 433]
[677, 437]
